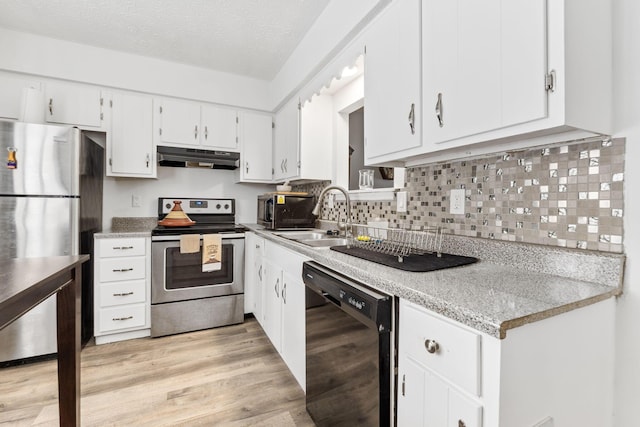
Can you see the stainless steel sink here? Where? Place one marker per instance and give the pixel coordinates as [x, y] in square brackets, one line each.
[314, 238]
[325, 243]
[303, 235]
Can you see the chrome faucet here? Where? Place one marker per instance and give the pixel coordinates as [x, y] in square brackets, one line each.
[316, 210]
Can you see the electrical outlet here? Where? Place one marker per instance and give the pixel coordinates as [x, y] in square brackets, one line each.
[401, 201]
[135, 200]
[456, 201]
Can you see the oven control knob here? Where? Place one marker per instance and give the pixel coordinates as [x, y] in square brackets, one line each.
[218, 206]
[168, 206]
[226, 206]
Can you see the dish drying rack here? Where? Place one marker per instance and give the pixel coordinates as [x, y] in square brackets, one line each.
[397, 242]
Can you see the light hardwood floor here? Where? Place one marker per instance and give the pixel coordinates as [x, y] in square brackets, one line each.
[229, 376]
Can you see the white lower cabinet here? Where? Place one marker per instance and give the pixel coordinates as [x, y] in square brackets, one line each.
[439, 372]
[253, 276]
[552, 371]
[283, 306]
[122, 288]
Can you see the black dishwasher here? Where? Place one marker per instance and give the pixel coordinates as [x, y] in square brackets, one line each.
[349, 350]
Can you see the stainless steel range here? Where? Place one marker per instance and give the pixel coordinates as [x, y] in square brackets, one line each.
[184, 297]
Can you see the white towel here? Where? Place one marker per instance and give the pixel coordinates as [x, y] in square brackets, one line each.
[189, 243]
[211, 252]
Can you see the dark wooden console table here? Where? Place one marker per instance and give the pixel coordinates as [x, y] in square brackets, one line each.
[25, 283]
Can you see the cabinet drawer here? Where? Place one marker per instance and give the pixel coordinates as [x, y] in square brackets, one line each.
[122, 317]
[130, 268]
[118, 293]
[122, 247]
[457, 357]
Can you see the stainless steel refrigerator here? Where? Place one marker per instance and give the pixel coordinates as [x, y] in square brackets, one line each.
[50, 204]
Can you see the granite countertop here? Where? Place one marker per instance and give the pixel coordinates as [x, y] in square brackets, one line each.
[504, 290]
[128, 227]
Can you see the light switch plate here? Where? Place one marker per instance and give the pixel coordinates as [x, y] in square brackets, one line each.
[401, 201]
[456, 201]
[135, 200]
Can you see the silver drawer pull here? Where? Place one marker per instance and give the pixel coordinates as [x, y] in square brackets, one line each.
[122, 270]
[123, 294]
[431, 346]
[115, 319]
[119, 248]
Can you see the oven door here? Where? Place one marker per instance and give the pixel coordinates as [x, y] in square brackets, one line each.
[178, 277]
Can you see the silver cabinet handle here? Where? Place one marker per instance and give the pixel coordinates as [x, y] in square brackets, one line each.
[123, 294]
[148, 159]
[284, 293]
[432, 346]
[260, 273]
[122, 270]
[282, 165]
[195, 132]
[122, 318]
[206, 132]
[440, 110]
[119, 248]
[276, 287]
[247, 166]
[412, 119]
[51, 106]
[285, 164]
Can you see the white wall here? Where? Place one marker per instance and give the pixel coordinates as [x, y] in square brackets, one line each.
[332, 31]
[42, 56]
[179, 182]
[626, 95]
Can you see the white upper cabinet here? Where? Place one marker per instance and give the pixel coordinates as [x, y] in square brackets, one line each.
[72, 104]
[302, 147]
[286, 142]
[194, 124]
[130, 147]
[392, 82]
[256, 139]
[315, 158]
[494, 75]
[484, 66]
[15, 96]
[219, 127]
[178, 122]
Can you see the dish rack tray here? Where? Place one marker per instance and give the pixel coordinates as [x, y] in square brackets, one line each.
[397, 242]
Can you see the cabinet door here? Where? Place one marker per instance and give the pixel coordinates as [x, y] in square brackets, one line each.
[73, 104]
[256, 135]
[293, 326]
[392, 81]
[249, 272]
[12, 103]
[484, 64]
[461, 67]
[286, 141]
[131, 138]
[219, 127]
[179, 122]
[411, 394]
[523, 61]
[272, 324]
[253, 275]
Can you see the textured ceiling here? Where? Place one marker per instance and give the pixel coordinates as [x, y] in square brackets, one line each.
[248, 37]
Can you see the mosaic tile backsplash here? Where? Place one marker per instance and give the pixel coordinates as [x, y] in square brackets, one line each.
[568, 195]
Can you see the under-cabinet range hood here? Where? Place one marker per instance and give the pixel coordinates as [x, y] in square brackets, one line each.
[196, 158]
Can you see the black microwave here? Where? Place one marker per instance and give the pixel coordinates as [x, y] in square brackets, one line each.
[280, 211]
